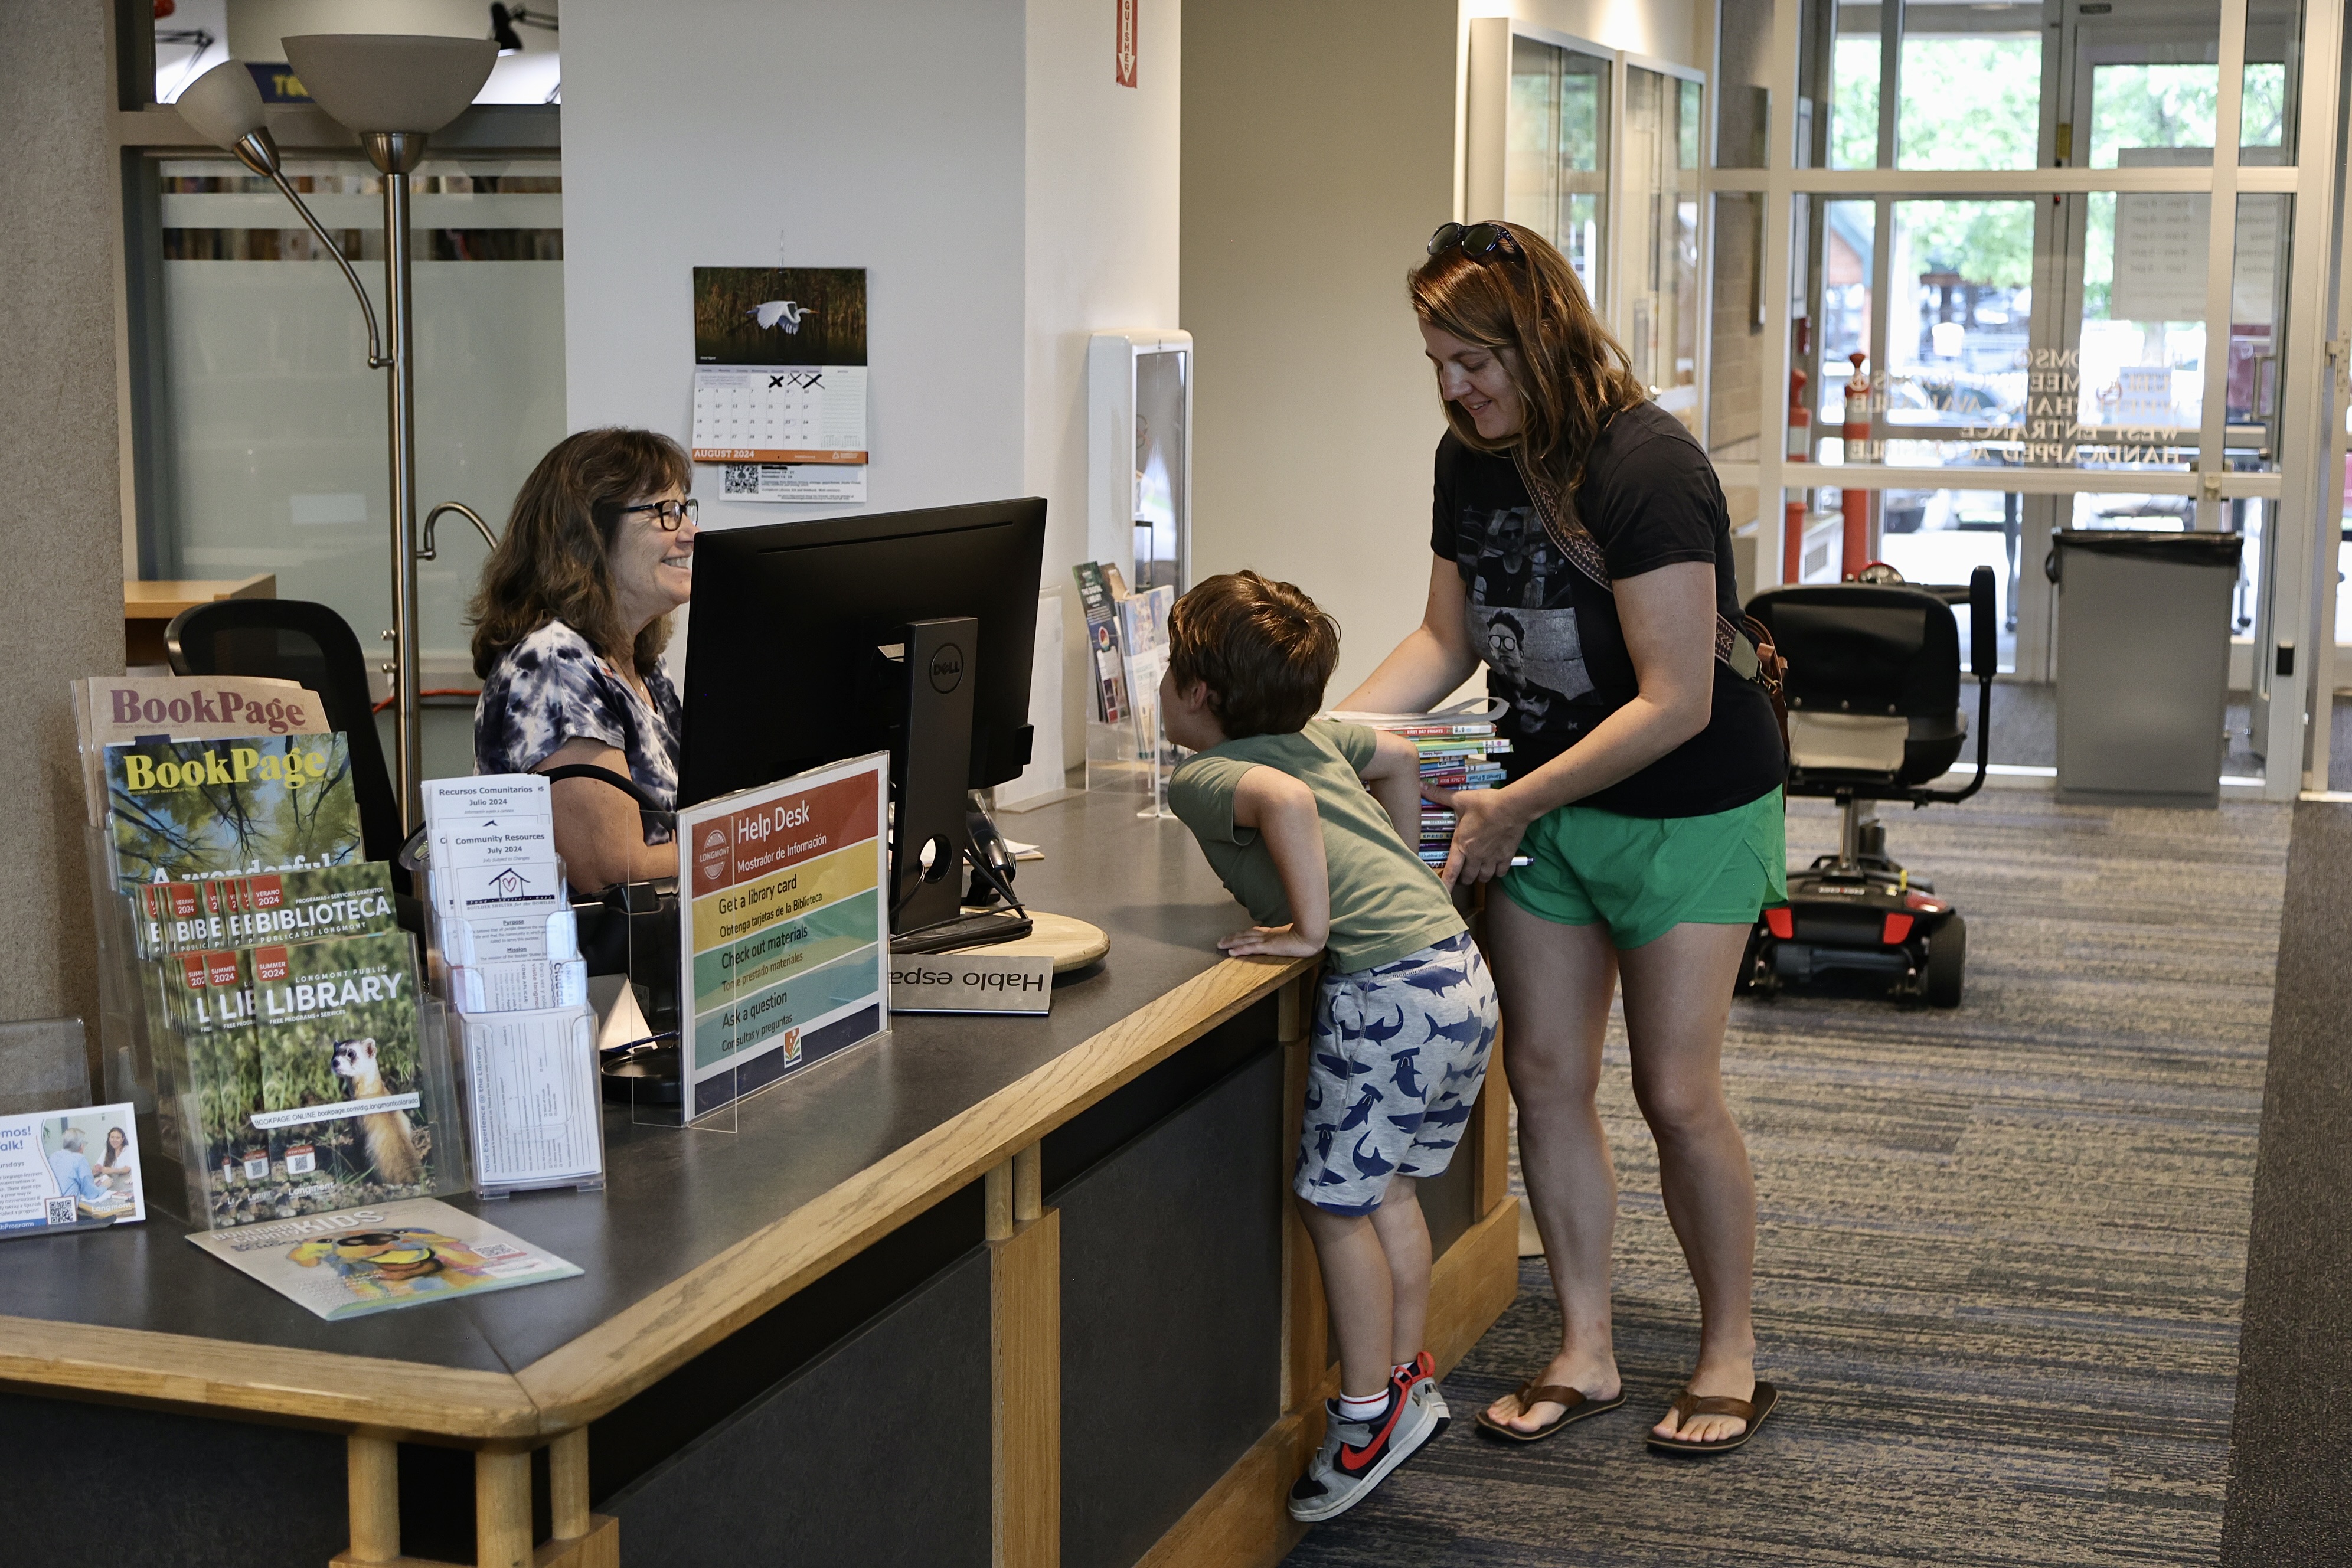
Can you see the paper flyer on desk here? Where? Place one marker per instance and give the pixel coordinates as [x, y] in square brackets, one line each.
[70, 1170]
[381, 1257]
[784, 931]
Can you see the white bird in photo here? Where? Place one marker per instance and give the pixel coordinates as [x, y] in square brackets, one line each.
[787, 311]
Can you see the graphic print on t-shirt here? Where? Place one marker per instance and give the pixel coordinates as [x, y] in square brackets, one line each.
[1534, 647]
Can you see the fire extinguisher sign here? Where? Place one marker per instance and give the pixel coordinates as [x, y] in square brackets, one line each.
[1123, 60]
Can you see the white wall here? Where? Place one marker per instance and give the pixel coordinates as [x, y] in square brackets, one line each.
[1102, 184]
[1005, 195]
[886, 135]
[1674, 30]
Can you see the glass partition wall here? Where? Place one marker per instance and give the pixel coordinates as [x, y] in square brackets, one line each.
[269, 423]
[1602, 153]
[1986, 261]
[255, 436]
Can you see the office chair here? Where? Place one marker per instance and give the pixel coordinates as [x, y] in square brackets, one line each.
[295, 639]
[1873, 694]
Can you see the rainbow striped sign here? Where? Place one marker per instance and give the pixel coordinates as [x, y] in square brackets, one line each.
[784, 931]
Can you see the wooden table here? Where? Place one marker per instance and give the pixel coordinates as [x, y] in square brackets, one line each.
[148, 607]
[900, 1314]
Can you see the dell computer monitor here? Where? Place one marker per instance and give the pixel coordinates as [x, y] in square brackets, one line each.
[784, 666]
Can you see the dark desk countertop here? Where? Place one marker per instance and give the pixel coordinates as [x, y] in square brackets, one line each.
[678, 1198]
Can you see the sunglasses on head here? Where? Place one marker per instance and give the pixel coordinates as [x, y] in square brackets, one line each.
[1477, 240]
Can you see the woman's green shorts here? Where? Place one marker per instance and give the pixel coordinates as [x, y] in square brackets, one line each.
[1643, 875]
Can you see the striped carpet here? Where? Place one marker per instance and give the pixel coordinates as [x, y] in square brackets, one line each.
[2002, 1248]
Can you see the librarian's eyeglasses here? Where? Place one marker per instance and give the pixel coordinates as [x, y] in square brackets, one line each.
[668, 514]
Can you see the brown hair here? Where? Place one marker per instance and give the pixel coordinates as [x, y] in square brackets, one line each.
[1571, 375]
[553, 562]
[1263, 648]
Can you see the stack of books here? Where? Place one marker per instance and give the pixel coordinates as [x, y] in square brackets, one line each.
[1458, 751]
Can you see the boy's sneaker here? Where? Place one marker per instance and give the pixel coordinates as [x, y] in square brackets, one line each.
[1357, 1456]
[1419, 1381]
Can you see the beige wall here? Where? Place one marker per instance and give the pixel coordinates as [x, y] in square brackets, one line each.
[61, 527]
[1318, 153]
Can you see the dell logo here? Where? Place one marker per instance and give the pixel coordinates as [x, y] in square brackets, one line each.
[947, 668]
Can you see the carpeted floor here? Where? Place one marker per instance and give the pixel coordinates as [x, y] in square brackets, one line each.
[2002, 1248]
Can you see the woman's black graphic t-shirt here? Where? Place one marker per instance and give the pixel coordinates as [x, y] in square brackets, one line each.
[1549, 635]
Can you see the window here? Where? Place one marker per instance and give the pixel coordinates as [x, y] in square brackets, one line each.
[1658, 268]
[1556, 177]
[274, 426]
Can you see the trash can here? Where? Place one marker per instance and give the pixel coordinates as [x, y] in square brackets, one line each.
[2143, 664]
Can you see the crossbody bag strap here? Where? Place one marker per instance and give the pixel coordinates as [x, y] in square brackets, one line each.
[1747, 649]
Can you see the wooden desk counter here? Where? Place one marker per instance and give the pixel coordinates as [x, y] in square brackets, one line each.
[147, 607]
[866, 1173]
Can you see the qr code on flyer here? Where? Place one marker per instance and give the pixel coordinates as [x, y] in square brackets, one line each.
[60, 1210]
[739, 479]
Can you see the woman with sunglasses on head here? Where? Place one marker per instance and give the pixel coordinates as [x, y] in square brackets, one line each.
[1583, 555]
[567, 633]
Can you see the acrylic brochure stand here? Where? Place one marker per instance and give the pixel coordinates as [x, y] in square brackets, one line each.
[198, 1075]
[1132, 754]
[524, 1039]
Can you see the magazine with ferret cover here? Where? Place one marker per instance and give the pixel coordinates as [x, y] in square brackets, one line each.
[206, 1068]
[189, 810]
[383, 1257]
[355, 1101]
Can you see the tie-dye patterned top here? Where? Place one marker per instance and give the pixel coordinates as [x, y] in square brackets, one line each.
[553, 686]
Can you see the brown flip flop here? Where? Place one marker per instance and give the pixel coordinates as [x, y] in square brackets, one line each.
[1578, 1406]
[1686, 1404]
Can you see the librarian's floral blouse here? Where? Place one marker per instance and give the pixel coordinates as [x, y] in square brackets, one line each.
[552, 686]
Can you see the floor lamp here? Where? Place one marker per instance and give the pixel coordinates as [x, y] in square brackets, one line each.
[394, 90]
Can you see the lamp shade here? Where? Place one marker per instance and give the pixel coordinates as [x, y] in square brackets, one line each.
[223, 105]
[379, 81]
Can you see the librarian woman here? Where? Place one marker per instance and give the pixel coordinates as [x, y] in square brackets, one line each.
[1583, 555]
[568, 628]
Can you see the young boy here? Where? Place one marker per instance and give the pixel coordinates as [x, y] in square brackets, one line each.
[1308, 823]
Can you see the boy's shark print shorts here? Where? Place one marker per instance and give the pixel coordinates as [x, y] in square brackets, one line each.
[1395, 1062]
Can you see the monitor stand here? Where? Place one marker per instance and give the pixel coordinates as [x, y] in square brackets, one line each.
[934, 774]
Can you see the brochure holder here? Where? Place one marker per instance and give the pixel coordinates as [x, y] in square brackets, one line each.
[216, 1156]
[1133, 757]
[523, 1035]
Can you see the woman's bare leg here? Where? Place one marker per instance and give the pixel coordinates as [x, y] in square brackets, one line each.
[1554, 983]
[1677, 999]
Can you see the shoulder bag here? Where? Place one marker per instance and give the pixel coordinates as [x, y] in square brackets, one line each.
[1747, 647]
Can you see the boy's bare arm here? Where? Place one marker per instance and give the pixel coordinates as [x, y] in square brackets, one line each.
[1283, 811]
[1393, 776]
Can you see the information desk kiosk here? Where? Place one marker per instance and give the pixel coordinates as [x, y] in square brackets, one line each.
[895, 1318]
